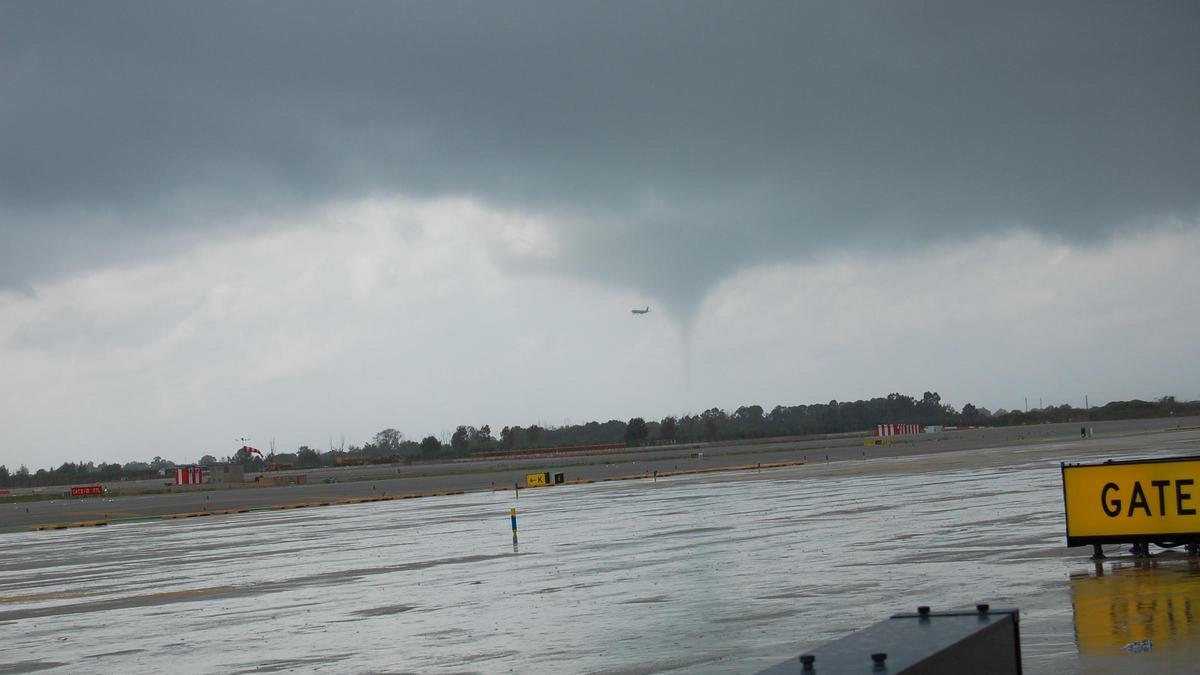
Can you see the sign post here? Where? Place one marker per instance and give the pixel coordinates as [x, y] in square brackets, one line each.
[512, 513]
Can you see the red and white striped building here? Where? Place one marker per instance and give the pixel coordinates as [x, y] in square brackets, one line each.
[898, 429]
[189, 475]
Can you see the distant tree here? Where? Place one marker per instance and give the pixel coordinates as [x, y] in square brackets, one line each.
[430, 446]
[970, 414]
[388, 441]
[714, 419]
[460, 440]
[636, 431]
[410, 448]
[667, 428]
[508, 437]
[307, 458]
[23, 471]
[482, 437]
[158, 464]
[207, 460]
[930, 407]
[748, 416]
[534, 434]
[3, 474]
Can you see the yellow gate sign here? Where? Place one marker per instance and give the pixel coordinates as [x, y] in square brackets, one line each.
[1134, 501]
[536, 479]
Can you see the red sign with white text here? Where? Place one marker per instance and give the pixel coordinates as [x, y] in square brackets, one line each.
[87, 491]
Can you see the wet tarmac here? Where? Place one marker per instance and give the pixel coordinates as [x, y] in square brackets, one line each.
[712, 573]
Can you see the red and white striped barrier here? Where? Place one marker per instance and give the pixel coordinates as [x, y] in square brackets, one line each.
[189, 475]
[898, 429]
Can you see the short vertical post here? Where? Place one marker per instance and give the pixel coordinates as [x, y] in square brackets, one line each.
[1097, 552]
[512, 512]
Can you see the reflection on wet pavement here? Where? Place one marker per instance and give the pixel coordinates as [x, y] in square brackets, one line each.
[1139, 606]
[720, 573]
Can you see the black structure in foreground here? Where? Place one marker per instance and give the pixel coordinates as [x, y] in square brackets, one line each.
[984, 641]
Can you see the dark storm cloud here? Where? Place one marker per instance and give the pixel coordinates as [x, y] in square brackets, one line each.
[680, 140]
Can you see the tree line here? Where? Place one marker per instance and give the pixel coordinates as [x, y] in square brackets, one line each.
[714, 424]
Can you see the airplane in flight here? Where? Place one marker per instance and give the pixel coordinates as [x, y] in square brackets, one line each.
[641, 311]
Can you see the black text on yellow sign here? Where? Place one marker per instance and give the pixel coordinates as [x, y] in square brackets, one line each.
[1155, 500]
[537, 479]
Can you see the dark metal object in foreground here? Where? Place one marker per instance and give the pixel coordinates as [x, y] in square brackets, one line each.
[983, 641]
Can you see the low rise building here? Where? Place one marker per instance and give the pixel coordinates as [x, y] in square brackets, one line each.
[225, 473]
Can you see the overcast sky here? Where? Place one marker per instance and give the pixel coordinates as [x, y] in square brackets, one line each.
[310, 220]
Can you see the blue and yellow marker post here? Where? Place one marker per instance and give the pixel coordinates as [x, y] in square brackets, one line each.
[512, 512]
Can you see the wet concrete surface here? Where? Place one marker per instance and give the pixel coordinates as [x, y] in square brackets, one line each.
[712, 573]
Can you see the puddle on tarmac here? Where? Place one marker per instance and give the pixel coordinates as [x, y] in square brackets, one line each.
[717, 573]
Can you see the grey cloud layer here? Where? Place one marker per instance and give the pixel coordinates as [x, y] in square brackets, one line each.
[680, 140]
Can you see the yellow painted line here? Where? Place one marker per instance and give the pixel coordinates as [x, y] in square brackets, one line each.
[63, 526]
[37, 597]
[201, 514]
